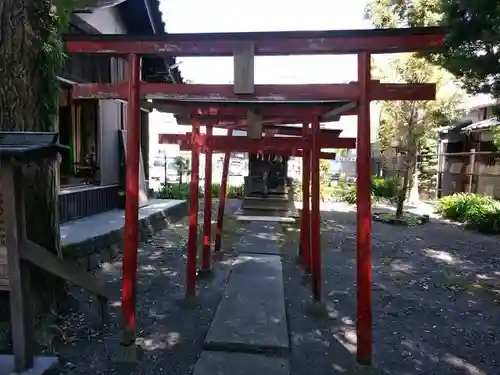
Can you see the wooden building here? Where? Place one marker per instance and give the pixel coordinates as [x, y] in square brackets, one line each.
[91, 172]
[468, 159]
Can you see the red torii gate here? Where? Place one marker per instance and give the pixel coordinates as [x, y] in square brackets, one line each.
[278, 146]
[200, 107]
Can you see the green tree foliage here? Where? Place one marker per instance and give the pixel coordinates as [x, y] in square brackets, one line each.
[471, 50]
[324, 169]
[417, 120]
[341, 152]
[427, 165]
[325, 178]
[412, 124]
[404, 13]
[181, 165]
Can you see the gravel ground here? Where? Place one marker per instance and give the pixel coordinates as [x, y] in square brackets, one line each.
[170, 335]
[436, 300]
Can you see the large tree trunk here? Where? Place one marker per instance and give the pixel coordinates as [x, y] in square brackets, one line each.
[409, 182]
[24, 95]
[400, 199]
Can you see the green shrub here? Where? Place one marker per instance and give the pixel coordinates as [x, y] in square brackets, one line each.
[349, 194]
[235, 191]
[458, 206]
[384, 187]
[215, 190]
[173, 191]
[297, 190]
[181, 191]
[326, 190]
[381, 188]
[476, 211]
[487, 222]
[346, 192]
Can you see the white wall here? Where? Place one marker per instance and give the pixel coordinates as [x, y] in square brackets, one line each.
[480, 114]
[489, 185]
[349, 124]
[108, 21]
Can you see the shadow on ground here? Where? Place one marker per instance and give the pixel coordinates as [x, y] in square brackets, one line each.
[169, 334]
[436, 299]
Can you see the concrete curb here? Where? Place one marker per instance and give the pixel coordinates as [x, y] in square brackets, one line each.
[90, 253]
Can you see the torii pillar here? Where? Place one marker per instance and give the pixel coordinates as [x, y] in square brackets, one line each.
[364, 217]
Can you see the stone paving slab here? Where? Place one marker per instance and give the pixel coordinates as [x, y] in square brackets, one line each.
[248, 245]
[222, 363]
[251, 316]
[260, 238]
[258, 265]
[41, 365]
[269, 219]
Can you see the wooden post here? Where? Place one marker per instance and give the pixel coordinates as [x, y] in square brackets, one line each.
[222, 198]
[165, 170]
[207, 216]
[18, 269]
[193, 213]
[305, 226]
[131, 236]
[472, 162]
[254, 127]
[364, 219]
[315, 214]
[244, 68]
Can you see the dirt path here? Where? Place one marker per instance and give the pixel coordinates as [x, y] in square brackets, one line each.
[436, 304]
[170, 335]
[436, 300]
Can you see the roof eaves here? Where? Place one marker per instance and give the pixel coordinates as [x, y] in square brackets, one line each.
[482, 125]
[159, 24]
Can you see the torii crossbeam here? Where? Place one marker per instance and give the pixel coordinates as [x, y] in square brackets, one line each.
[272, 104]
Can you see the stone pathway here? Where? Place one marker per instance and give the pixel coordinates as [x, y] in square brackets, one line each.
[249, 332]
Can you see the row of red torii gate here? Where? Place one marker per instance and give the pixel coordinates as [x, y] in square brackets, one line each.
[255, 108]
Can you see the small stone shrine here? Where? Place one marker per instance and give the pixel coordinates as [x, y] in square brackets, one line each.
[268, 189]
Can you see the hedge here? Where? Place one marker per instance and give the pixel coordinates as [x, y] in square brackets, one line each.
[381, 188]
[181, 191]
[478, 212]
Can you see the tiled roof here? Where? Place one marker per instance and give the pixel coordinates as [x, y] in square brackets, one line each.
[480, 125]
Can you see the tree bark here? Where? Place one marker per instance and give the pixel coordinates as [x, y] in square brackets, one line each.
[23, 107]
[413, 189]
[400, 201]
[408, 182]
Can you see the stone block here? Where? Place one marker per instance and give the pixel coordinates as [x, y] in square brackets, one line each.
[221, 363]
[251, 316]
[42, 365]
